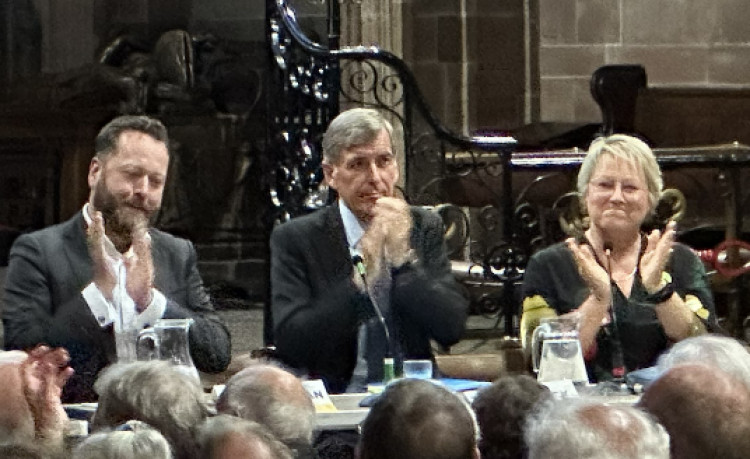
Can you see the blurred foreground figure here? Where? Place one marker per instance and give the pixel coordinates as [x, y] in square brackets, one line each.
[157, 393]
[131, 440]
[229, 437]
[501, 411]
[31, 414]
[589, 429]
[705, 410]
[275, 399]
[418, 419]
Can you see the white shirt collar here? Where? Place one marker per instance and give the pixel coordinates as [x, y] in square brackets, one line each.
[352, 227]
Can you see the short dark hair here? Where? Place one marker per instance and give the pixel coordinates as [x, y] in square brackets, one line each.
[501, 410]
[106, 140]
[416, 418]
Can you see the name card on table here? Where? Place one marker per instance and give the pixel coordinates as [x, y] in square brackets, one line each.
[321, 400]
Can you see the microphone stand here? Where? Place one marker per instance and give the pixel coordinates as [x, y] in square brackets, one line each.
[388, 362]
[618, 363]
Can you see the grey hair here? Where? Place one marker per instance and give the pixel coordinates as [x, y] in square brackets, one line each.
[155, 392]
[109, 136]
[213, 431]
[132, 440]
[579, 428]
[357, 126]
[269, 395]
[630, 149]
[723, 352]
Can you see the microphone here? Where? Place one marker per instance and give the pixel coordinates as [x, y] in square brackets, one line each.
[618, 363]
[388, 360]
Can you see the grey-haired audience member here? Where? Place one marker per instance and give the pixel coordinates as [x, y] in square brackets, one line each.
[501, 410]
[579, 428]
[722, 352]
[230, 437]
[418, 419]
[131, 440]
[155, 392]
[275, 398]
[705, 410]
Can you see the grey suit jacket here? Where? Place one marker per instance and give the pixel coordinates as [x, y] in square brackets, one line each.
[49, 268]
[317, 310]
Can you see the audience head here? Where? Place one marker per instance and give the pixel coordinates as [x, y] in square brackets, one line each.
[577, 428]
[418, 419]
[273, 397]
[155, 392]
[722, 352]
[705, 410]
[501, 411]
[229, 437]
[131, 440]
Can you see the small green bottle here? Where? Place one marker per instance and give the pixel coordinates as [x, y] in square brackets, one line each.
[388, 370]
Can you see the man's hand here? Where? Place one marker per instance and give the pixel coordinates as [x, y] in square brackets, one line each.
[387, 237]
[103, 256]
[139, 267]
[655, 257]
[593, 274]
[43, 375]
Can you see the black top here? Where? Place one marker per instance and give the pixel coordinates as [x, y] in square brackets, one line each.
[553, 274]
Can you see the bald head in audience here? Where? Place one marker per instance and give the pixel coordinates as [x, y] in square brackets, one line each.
[275, 398]
[590, 429]
[418, 419]
[705, 410]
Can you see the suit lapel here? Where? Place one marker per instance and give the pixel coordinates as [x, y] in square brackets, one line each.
[76, 249]
[333, 227]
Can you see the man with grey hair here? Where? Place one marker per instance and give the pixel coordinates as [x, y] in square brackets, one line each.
[131, 440]
[337, 323]
[275, 398]
[157, 393]
[71, 285]
[579, 428]
[723, 352]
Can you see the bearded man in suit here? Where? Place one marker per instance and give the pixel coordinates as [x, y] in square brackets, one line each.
[326, 314]
[72, 284]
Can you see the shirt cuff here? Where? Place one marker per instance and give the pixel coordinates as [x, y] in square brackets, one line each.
[154, 311]
[98, 305]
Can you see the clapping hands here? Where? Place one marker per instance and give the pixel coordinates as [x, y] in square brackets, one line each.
[655, 257]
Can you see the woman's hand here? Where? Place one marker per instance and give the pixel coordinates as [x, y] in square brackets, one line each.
[655, 257]
[595, 277]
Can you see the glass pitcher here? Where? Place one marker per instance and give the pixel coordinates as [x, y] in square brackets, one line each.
[556, 350]
[166, 340]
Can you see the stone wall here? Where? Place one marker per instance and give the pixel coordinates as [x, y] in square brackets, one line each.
[700, 43]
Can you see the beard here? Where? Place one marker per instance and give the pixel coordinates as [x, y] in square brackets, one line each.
[123, 217]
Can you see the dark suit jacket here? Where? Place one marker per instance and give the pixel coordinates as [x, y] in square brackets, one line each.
[317, 309]
[49, 268]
